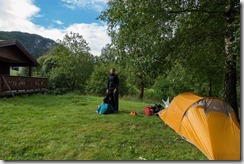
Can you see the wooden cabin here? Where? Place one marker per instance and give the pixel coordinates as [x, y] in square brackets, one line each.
[13, 54]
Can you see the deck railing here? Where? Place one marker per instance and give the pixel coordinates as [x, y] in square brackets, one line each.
[12, 85]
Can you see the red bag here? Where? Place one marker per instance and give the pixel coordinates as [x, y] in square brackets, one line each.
[148, 111]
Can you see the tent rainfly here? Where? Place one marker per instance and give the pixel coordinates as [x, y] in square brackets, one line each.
[208, 123]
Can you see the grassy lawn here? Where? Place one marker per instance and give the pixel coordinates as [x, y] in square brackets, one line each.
[67, 127]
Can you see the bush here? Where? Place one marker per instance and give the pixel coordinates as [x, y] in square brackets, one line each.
[97, 83]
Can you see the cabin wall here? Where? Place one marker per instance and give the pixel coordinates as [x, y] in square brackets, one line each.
[12, 54]
[4, 69]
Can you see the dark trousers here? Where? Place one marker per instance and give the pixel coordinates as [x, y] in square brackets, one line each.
[114, 97]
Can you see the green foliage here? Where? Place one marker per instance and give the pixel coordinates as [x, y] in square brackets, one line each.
[140, 37]
[176, 81]
[179, 80]
[66, 127]
[97, 83]
[109, 54]
[68, 65]
[133, 90]
[75, 43]
[154, 37]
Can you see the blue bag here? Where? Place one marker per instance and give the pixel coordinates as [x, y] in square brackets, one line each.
[105, 108]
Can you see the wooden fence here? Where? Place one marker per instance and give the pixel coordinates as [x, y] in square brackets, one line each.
[12, 85]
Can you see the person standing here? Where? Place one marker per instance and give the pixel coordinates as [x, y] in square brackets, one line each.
[113, 89]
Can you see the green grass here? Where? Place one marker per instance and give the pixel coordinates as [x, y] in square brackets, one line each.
[67, 127]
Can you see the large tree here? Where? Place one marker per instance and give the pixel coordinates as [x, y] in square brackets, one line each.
[80, 63]
[69, 64]
[166, 31]
[139, 41]
[232, 12]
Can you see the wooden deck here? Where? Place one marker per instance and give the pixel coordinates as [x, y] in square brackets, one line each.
[16, 85]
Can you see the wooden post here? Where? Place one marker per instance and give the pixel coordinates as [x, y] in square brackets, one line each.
[1, 85]
[30, 71]
[6, 83]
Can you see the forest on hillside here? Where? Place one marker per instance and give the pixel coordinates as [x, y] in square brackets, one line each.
[159, 49]
[35, 44]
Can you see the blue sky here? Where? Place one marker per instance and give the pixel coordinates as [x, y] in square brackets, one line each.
[55, 18]
[61, 14]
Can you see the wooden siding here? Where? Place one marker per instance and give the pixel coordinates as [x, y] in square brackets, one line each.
[11, 55]
[4, 69]
[12, 52]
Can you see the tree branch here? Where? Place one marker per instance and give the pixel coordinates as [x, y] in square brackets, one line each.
[200, 11]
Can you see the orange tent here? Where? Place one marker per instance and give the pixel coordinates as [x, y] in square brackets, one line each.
[208, 123]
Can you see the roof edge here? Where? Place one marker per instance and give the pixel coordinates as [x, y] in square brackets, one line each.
[4, 43]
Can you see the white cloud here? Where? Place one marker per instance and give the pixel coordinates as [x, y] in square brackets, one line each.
[93, 33]
[21, 9]
[58, 22]
[15, 15]
[97, 5]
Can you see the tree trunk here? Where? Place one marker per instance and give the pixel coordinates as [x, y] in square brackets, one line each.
[230, 92]
[141, 88]
[73, 85]
[210, 88]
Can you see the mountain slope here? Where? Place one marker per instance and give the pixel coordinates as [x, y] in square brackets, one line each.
[35, 44]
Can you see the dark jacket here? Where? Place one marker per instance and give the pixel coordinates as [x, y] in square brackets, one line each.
[113, 81]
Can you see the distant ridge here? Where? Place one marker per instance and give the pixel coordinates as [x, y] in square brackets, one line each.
[35, 44]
